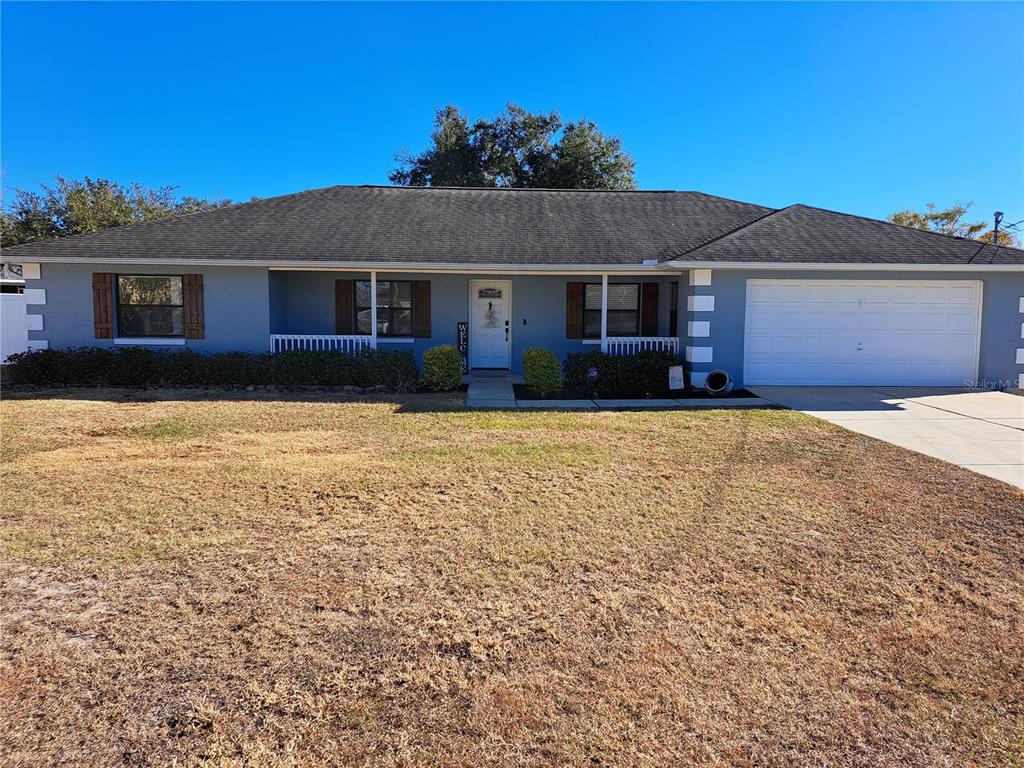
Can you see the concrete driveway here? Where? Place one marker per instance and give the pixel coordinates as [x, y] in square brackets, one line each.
[979, 431]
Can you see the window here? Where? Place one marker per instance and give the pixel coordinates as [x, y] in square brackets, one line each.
[150, 305]
[394, 307]
[623, 310]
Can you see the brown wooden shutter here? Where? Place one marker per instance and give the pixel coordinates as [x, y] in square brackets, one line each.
[344, 311]
[574, 310]
[192, 295]
[649, 310]
[103, 305]
[421, 309]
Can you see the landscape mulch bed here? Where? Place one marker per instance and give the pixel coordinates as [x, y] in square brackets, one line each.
[524, 392]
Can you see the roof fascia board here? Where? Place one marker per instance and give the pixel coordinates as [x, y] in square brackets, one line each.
[664, 267]
[844, 266]
[378, 266]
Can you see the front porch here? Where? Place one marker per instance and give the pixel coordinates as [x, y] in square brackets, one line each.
[497, 317]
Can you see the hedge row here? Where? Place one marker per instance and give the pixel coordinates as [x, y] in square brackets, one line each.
[641, 375]
[644, 374]
[139, 367]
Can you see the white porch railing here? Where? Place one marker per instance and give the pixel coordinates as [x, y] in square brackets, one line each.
[630, 345]
[289, 342]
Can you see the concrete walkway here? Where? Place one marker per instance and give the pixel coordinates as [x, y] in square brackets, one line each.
[490, 394]
[979, 431]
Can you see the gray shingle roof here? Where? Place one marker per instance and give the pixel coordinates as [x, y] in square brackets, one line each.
[396, 224]
[801, 233]
[517, 227]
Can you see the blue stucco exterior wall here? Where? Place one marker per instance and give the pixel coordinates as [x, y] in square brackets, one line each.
[538, 308]
[237, 306]
[244, 305]
[1000, 319]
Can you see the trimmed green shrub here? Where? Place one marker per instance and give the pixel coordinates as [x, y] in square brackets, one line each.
[382, 367]
[542, 371]
[442, 368]
[140, 367]
[644, 374]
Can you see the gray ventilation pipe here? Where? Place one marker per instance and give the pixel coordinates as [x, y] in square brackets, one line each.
[718, 382]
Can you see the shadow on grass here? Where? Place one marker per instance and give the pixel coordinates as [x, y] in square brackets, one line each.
[412, 402]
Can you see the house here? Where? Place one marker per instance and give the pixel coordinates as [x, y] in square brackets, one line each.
[797, 295]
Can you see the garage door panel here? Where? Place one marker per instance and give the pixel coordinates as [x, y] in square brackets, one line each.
[789, 319]
[789, 294]
[818, 317]
[875, 320]
[934, 294]
[841, 320]
[962, 321]
[875, 294]
[760, 294]
[760, 347]
[902, 294]
[962, 294]
[787, 347]
[902, 320]
[843, 294]
[861, 332]
[759, 371]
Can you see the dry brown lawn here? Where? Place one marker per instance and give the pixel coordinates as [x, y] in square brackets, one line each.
[266, 583]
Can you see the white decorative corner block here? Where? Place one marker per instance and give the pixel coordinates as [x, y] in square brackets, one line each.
[700, 277]
[33, 322]
[698, 329]
[37, 344]
[1020, 381]
[698, 379]
[699, 354]
[1020, 306]
[35, 295]
[1022, 330]
[700, 303]
[1020, 356]
[30, 271]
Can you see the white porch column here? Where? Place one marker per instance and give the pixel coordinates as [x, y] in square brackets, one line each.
[604, 312]
[373, 310]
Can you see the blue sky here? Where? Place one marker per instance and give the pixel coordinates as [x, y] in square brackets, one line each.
[858, 107]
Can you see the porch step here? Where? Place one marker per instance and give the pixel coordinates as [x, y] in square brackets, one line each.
[503, 378]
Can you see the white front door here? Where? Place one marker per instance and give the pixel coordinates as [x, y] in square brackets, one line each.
[490, 323]
[862, 332]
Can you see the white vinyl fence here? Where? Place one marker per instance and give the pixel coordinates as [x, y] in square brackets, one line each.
[13, 326]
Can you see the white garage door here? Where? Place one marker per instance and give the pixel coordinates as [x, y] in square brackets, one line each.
[862, 332]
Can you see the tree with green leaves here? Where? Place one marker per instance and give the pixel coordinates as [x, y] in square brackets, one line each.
[951, 221]
[72, 206]
[516, 149]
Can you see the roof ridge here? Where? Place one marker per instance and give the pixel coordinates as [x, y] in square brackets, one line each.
[732, 231]
[514, 189]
